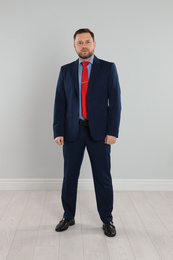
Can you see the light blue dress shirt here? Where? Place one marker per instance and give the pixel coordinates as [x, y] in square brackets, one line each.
[89, 66]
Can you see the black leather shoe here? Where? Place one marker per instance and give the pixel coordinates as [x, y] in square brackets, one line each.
[109, 229]
[64, 224]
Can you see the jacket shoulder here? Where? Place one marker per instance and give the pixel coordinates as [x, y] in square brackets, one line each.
[68, 65]
[106, 62]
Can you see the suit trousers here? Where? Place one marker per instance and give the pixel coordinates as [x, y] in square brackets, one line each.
[99, 155]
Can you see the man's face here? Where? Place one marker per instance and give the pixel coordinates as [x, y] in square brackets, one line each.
[84, 46]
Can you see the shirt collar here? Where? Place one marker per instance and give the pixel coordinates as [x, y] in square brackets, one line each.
[90, 60]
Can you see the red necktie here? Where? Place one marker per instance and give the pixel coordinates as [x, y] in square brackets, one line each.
[84, 89]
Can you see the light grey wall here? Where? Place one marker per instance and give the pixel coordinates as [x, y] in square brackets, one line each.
[37, 38]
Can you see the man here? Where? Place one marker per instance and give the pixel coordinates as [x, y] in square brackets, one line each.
[87, 114]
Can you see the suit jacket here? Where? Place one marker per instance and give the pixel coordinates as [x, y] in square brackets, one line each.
[103, 101]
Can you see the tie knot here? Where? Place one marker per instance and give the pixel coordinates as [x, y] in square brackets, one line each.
[85, 63]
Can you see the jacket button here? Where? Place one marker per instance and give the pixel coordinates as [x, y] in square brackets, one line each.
[77, 114]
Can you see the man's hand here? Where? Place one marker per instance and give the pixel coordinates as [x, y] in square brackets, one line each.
[59, 140]
[109, 139]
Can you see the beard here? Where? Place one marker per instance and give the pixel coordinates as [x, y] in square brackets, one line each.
[86, 55]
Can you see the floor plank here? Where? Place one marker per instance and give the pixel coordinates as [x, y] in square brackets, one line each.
[25, 238]
[47, 244]
[164, 212]
[159, 235]
[5, 197]
[139, 238]
[10, 220]
[168, 197]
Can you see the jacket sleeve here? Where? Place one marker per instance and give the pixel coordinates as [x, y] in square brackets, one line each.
[114, 96]
[59, 107]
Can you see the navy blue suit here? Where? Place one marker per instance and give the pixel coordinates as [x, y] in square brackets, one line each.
[104, 109]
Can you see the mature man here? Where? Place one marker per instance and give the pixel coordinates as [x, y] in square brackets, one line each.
[87, 114]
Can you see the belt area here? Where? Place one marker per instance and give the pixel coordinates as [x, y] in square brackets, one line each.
[83, 122]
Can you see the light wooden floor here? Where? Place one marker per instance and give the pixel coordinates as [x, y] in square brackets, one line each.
[144, 223]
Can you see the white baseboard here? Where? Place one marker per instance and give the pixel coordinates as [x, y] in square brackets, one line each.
[87, 184]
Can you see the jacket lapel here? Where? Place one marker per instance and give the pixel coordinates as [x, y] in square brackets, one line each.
[75, 76]
[94, 72]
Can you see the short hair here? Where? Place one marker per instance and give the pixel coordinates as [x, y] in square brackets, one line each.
[83, 30]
